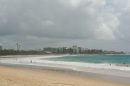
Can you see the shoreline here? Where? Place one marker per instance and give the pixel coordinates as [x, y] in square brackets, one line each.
[43, 60]
[91, 73]
[35, 62]
[63, 78]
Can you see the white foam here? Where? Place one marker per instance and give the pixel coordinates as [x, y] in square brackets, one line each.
[38, 60]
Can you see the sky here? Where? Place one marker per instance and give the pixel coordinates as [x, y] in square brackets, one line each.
[34, 24]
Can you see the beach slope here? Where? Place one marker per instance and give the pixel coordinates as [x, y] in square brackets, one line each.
[12, 76]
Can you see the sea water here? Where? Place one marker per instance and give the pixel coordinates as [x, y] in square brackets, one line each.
[114, 62]
[76, 62]
[110, 59]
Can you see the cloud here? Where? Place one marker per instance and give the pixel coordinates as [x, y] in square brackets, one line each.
[61, 20]
[72, 3]
[49, 19]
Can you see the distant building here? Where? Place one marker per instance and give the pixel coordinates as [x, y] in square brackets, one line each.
[75, 49]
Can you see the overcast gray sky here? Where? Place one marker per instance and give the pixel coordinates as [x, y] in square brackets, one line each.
[101, 24]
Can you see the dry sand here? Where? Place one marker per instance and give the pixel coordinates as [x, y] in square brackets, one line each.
[12, 76]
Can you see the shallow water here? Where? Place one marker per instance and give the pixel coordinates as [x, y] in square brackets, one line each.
[112, 59]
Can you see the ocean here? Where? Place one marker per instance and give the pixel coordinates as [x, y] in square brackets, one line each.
[75, 62]
[98, 59]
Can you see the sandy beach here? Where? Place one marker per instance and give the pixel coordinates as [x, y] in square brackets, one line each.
[15, 76]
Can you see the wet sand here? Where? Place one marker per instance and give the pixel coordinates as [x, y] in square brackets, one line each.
[17, 76]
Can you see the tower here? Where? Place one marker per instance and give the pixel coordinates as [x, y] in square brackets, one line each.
[18, 46]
